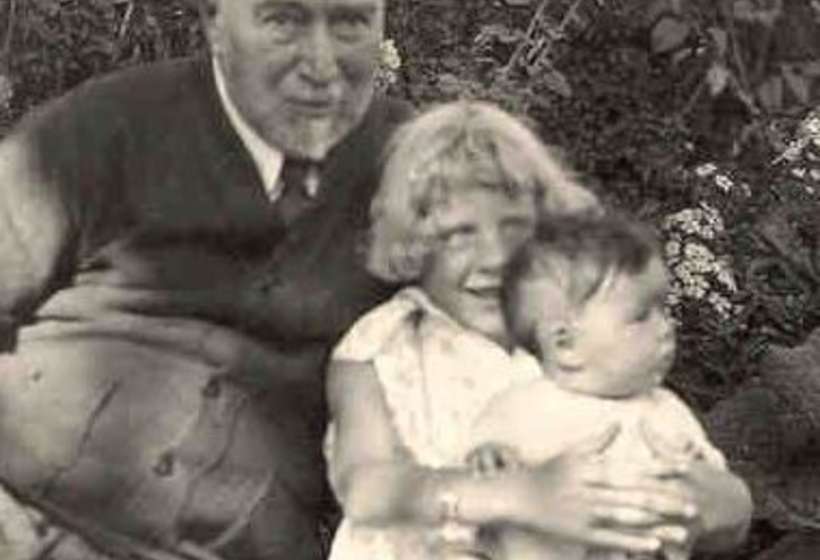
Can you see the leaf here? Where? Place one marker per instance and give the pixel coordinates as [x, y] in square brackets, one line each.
[720, 38]
[811, 68]
[718, 78]
[770, 93]
[748, 11]
[798, 84]
[557, 82]
[655, 10]
[669, 34]
[744, 10]
[498, 32]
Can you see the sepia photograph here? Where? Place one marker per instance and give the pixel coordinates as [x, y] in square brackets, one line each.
[409, 279]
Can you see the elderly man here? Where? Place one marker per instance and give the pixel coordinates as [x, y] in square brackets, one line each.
[177, 255]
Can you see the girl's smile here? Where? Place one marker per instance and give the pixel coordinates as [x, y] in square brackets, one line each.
[478, 230]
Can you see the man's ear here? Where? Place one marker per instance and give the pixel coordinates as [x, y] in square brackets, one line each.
[209, 11]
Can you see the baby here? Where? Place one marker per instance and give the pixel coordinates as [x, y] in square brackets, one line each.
[587, 297]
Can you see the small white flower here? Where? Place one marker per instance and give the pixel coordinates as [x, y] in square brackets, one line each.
[812, 126]
[724, 183]
[705, 169]
[389, 55]
[672, 248]
[799, 172]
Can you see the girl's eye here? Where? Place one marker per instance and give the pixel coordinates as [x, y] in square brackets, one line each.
[457, 237]
[516, 231]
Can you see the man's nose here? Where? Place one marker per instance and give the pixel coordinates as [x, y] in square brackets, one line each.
[320, 64]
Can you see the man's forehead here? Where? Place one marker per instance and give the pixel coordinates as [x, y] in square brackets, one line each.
[319, 4]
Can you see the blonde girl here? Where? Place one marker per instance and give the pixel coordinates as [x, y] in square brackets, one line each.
[464, 186]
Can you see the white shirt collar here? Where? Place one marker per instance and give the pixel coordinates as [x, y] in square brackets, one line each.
[268, 159]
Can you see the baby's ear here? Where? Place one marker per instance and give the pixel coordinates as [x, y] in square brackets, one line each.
[561, 345]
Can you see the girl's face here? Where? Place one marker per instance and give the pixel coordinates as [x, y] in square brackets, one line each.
[478, 230]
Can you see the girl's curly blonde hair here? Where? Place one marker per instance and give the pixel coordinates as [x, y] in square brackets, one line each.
[451, 147]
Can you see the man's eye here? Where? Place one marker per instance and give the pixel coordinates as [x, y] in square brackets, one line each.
[283, 23]
[351, 26]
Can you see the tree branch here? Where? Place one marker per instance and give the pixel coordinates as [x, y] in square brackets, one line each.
[5, 54]
[519, 50]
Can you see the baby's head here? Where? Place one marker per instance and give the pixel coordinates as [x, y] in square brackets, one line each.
[464, 185]
[587, 296]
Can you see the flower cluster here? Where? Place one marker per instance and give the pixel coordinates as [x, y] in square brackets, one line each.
[722, 180]
[808, 135]
[697, 272]
[389, 65]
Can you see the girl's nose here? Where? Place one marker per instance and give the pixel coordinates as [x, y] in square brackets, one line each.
[492, 253]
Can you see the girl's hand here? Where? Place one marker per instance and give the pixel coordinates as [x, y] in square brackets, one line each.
[493, 458]
[722, 501]
[573, 496]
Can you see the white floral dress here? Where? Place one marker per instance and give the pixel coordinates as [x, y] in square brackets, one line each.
[436, 377]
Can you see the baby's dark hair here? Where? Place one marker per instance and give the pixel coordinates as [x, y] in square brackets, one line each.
[578, 253]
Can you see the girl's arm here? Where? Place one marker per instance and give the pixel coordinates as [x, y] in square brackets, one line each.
[725, 506]
[379, 484]
[722, 499]
[374, 477]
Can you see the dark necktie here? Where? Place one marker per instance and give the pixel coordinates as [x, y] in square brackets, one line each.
[299, 179]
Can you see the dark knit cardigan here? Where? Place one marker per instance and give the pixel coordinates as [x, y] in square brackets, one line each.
[164, 379]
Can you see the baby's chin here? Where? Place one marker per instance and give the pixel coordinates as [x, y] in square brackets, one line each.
[609, 392]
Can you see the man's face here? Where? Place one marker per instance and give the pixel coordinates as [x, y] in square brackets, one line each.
[299, 71]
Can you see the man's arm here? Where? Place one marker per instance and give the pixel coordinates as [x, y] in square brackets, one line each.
[35, 225]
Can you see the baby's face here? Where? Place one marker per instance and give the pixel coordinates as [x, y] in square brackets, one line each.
[623, 336]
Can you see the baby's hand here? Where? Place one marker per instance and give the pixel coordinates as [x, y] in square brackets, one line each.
[491, 458]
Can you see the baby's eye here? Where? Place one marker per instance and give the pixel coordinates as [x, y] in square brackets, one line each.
[642, 315]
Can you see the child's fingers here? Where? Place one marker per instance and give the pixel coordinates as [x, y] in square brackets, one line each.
[492, 458]
[672, 534]
[625, 516]
[612, 539]
[655, 505]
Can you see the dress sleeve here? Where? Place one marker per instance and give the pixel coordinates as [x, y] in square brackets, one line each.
[374, 330]
[681, 420]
